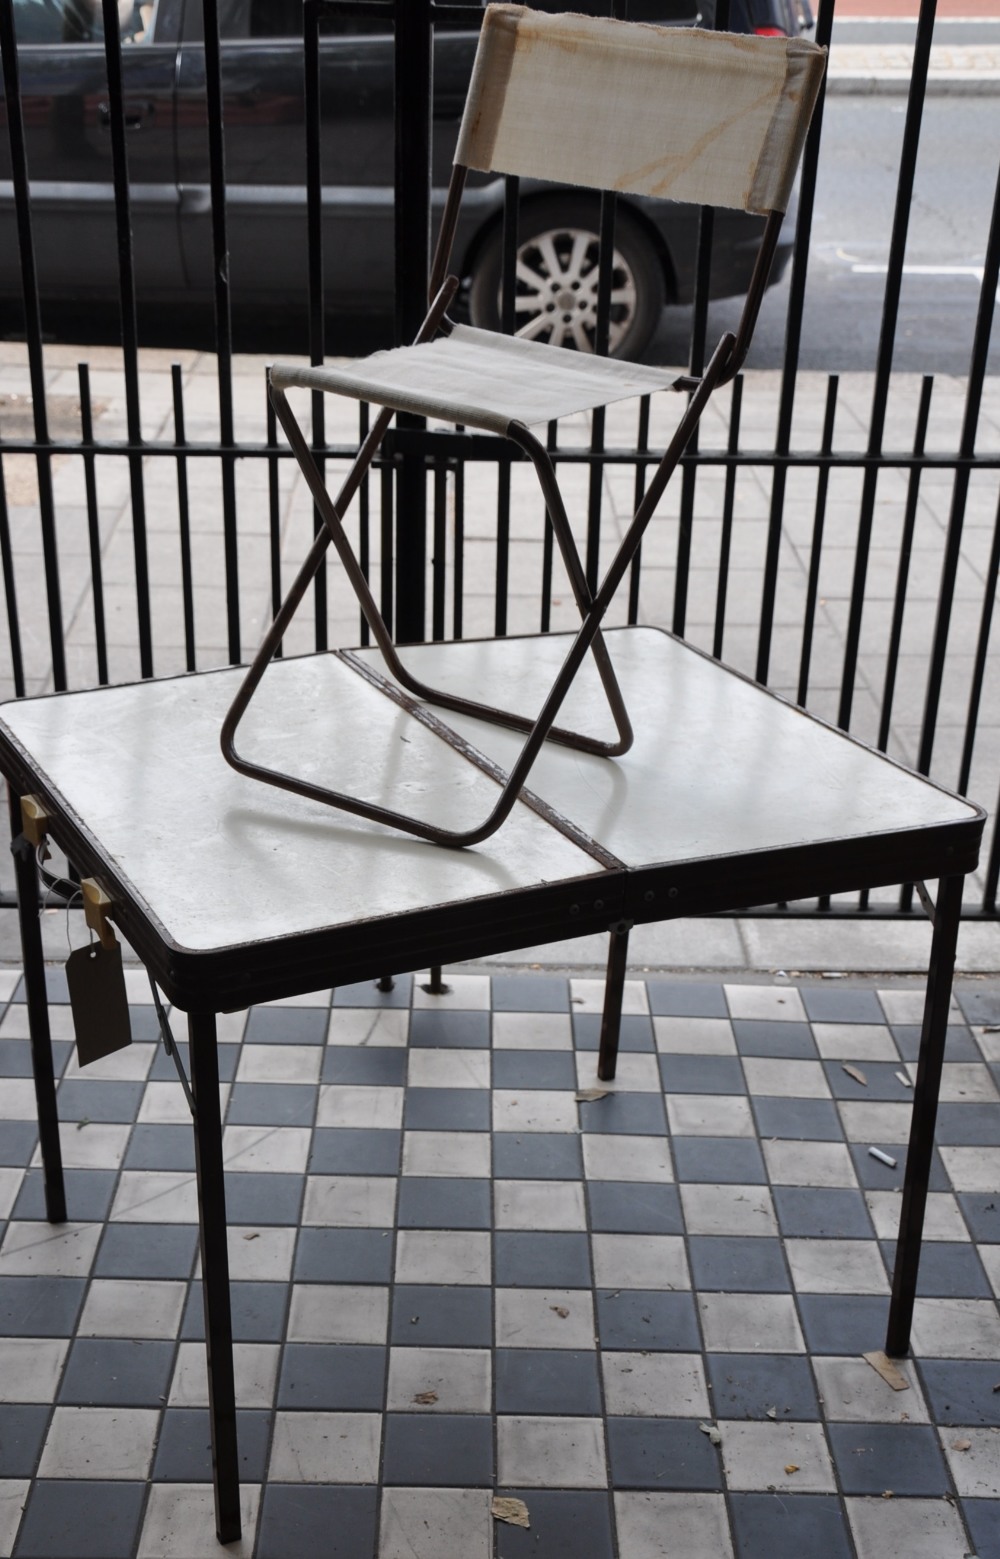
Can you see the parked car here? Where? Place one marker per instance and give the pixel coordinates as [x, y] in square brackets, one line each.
[67, 122]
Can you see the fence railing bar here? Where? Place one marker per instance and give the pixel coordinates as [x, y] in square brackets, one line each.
[638, 493]
[314, 229]
[728, 509]
[886, 346]
[184, 519]
[33, 335]
[93, 524]
[548, 543]
[816, 543]
[273, 514]
[386, 538]
[598, 418]
[903, 567]
[979, 665]
[439, 557]
[414, 91]
[458, 588]
[364, 516]
[956, 518]
[10, 591]
[129, 327]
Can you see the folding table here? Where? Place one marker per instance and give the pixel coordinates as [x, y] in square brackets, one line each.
[233, 893]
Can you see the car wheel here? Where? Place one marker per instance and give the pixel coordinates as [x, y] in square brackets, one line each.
[557, 280]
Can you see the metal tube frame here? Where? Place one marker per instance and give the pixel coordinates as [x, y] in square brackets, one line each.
[723, 366]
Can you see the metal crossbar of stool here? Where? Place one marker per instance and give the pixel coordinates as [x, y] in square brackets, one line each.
[680, 114]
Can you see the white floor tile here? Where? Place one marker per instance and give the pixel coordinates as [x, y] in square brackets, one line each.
[180, 1523]
[436, 1524]
[565, 1453]
[325, 1448]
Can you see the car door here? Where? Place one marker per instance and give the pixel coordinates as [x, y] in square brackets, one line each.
[67, 129]
[265, 153]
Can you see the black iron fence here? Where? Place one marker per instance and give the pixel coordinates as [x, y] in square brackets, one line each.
[839, 539]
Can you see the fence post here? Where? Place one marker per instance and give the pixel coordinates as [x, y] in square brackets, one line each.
[414, 86]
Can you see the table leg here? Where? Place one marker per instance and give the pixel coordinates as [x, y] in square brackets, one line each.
[614, 992]
[36, 996]
[925, 1102]
[215, 1273]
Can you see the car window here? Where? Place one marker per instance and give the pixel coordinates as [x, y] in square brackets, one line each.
[80, 21]
[242, 20]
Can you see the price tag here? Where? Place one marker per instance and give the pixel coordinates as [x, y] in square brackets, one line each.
[98, 1001]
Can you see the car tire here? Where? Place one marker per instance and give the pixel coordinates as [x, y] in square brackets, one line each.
[557, 280]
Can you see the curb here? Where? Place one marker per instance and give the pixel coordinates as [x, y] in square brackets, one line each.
[896, 83]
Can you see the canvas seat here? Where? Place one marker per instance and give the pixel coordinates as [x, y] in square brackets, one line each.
[675, 113]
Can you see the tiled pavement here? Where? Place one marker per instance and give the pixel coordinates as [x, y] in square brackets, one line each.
[452, 1278]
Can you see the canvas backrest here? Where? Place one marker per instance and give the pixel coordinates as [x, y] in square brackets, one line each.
[716, 119]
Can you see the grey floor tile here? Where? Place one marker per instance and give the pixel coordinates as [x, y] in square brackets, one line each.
[526, 1259]
[344, 1256]
[905, 1458]
[981, 1211]
[160, 1147]
[147, 1250]
[565, 1524]
[447, 1109]
[651, 1453]
[450, 1450]
[874, 1175]
[686, 999]
[338, 1522]
[962, 1391]
[184, 1445]
[635, 1035]
[841, 1004]
[843, 1323]
[271, 1104]
[972, 1124]
[701, 1074]
[801, 1120]
[258, 1310]
[81, 1520]
[530, 993]
[344, 1150]
[462, 1030]
[264, 1198]
[949, 1270]
[443, 1202]
[534, 1069]
[88, 1195]
[536, 1155]
[959, 1043]
[22, 1431]
[15, 1057]
[83, 1100]
[17, 1141]
[719, 1160]
[815, 1212]
[640, 1113]
[115, 1372]
[881, 1081]
[40, 1307]
[983, 1517]
[355, 1064]
[547, 1381]
[787, 1526]
[633, 1320]
[332, 1378]
[751, 1385]
[730, 1262]
[425, 1317]
[286, 1026]
[761, 1037]
[634, 1207]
